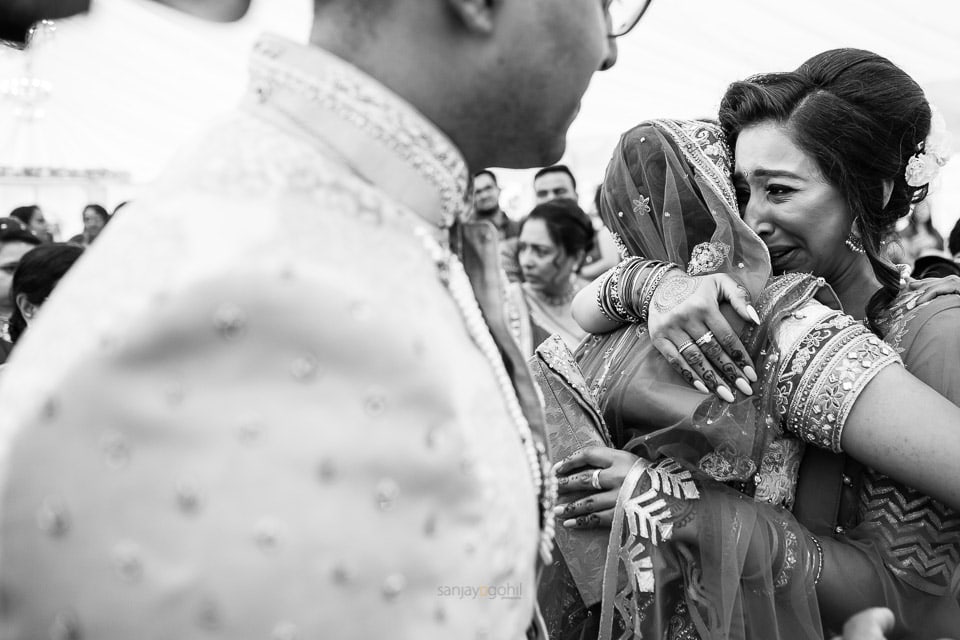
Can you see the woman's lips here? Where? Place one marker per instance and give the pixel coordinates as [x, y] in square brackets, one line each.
[781, 256]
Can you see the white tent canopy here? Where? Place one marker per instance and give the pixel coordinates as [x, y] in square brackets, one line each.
[132, 81]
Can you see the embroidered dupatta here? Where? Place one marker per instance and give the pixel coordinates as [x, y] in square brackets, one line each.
[667, 196]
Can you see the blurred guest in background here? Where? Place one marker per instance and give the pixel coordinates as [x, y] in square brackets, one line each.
[554, 239]
[40, 270]
[555, 181]
[917, 236]
[934, 264]
[31, 216]
[15, 241]
[95, 218]
[486, 205]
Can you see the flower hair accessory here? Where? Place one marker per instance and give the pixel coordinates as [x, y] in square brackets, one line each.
[925, 164]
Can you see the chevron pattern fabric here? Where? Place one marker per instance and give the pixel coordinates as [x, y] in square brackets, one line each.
[921, 536]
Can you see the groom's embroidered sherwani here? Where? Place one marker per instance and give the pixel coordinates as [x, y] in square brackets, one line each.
[254, 410]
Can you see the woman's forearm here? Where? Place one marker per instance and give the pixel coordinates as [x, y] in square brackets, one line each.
[586, 311]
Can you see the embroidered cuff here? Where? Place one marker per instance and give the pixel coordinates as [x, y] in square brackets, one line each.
[823, 376]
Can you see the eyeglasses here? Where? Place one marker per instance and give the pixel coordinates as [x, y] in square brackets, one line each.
[625, 14]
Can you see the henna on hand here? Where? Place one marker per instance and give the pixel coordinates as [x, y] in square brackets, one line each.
[729, 343]
[714, 351]
[697, 362]
[685, 373]
[674, 291]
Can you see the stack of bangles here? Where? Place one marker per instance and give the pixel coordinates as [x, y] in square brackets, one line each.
[626, 290]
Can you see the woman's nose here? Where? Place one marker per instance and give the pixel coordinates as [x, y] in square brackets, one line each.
[755, 215]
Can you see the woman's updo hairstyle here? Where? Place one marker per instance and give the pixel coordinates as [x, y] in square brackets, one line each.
[861, 118]
[567, 224]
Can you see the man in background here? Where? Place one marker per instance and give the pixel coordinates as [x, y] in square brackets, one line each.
[557, 181]
[553, 182]
[486, 205]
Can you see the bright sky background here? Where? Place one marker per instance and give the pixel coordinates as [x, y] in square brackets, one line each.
[133, 81]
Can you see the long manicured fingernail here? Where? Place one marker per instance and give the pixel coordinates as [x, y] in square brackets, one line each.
[753, 314]
[744, 387]
[702, 388]
[750, 373]
[559, 509]
[911, 304]
[724, 393]
[570, 523]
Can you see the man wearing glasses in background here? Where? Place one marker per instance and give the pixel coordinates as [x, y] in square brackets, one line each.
[318, 426]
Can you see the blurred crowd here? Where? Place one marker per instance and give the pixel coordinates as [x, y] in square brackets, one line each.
[32, 261]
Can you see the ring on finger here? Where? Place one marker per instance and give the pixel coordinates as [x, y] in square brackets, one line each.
[704, 339]
[595, 480]
[686, 345]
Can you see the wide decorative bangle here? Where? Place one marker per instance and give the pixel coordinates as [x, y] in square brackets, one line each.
[823, 376]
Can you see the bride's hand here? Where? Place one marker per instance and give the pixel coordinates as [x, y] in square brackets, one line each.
[687, 328]
[599, 470]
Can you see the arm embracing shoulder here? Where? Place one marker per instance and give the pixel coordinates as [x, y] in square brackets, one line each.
[844, 389]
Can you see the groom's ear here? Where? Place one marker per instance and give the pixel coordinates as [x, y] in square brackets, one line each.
[17, 16]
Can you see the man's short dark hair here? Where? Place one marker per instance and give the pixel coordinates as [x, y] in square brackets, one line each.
[557, 168]
[487, 172]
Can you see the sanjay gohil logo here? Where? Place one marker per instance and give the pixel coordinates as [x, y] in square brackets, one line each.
[481, 592]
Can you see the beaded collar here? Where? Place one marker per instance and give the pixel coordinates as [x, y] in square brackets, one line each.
[365, 122]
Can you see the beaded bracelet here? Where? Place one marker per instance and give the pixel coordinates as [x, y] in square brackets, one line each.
[816, 579]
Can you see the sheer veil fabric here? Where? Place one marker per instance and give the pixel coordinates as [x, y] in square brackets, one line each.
[667, 196]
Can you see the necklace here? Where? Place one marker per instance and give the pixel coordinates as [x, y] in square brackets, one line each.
[454, 278]
[555, 301]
